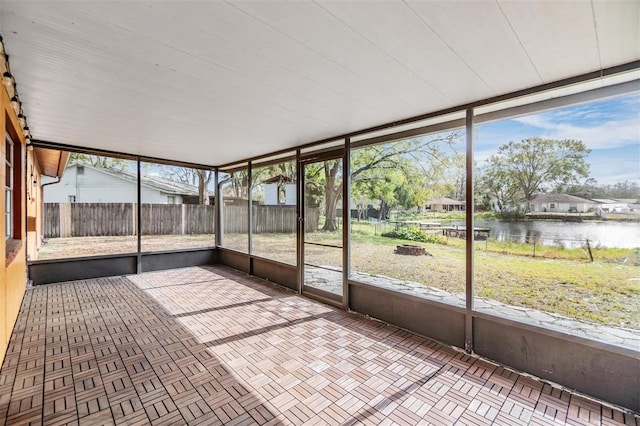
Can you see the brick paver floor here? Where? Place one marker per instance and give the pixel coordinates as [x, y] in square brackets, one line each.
[213, 346]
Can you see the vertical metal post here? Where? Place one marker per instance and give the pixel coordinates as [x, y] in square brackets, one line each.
[27, 184]
[249, 219]
[139, 216]
[346, 222]
[217, 208]
[300, 224]
[468, 342]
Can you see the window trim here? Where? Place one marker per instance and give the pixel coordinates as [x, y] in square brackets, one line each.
[9, 189]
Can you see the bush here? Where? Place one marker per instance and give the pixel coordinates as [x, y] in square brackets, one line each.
[415, 234]
[511, 215]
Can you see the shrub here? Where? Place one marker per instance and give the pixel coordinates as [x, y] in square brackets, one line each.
[415, 234]
[511, 215]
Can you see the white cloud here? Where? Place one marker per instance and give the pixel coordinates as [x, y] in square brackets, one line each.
[481, 155]
[610, 134]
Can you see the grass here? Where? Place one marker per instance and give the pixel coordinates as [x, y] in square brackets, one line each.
[606, 291]
[550, 252]
[598, 292]
[369, 229]
[626, 217]
[56, 248]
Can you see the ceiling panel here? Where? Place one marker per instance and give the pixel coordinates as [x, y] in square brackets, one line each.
[400, 33]
[555, 50]
[480, 35]
[217, 82]
[618, 30]
[319, 31]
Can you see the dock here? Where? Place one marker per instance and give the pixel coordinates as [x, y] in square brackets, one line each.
[456, 231]
[461, 232]
[399, 224]
[564, 217]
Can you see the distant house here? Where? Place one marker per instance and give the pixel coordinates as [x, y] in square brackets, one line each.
[560, 203]
[633, 204]
[612, 205]
[83, 183]
[445, 204]
[279, 191]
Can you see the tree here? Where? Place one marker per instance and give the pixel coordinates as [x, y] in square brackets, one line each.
[454, 177]
[194, 177]
[238, 183]
[327, 178]
[521, 169]
[624, 189]
[314, 190]
[590, 189]
[398, 183]
[387, 167]
[498, 190]
[108, 163]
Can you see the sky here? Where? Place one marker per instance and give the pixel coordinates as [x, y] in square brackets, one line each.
[610, 128]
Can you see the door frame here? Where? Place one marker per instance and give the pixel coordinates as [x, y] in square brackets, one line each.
[303, 160]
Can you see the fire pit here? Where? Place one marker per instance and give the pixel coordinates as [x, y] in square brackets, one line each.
[410, 250]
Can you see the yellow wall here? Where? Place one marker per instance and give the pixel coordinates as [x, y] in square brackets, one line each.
[16, 279]
[34, 207]
[4, 335]
[13, 274]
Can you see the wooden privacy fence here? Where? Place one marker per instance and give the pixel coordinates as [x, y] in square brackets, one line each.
[119, 219]
[88, 219]
[176, 219]
[266, 219]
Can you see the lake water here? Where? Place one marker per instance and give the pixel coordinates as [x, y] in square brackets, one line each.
[568, 234]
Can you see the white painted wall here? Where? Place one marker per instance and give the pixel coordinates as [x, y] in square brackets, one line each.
[95, 186]
[561, 207]
[614, 207]
[290, 194]
[271, 194]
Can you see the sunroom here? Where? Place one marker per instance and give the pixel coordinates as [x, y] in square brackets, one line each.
[169, 162]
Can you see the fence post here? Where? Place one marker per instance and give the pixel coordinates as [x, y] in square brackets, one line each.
[589, 248]
[65, 220]
[134, 218]
[183, 217]
[534, 248]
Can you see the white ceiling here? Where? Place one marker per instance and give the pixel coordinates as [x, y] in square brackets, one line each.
[212, 82]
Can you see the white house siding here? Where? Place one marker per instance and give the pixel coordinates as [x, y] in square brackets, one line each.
[97, 187]
[561, 207]
[271, 194]
[154, 196]
[290, 194]
[614, 207]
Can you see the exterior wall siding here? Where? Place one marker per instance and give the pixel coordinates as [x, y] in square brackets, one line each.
[13, 265]
[34, 207]
[96, 187]
[560, 207]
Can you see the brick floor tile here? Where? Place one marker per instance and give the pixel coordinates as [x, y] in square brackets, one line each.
[68, 417]
[126, 407]
[207, 345]
[32, 416]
